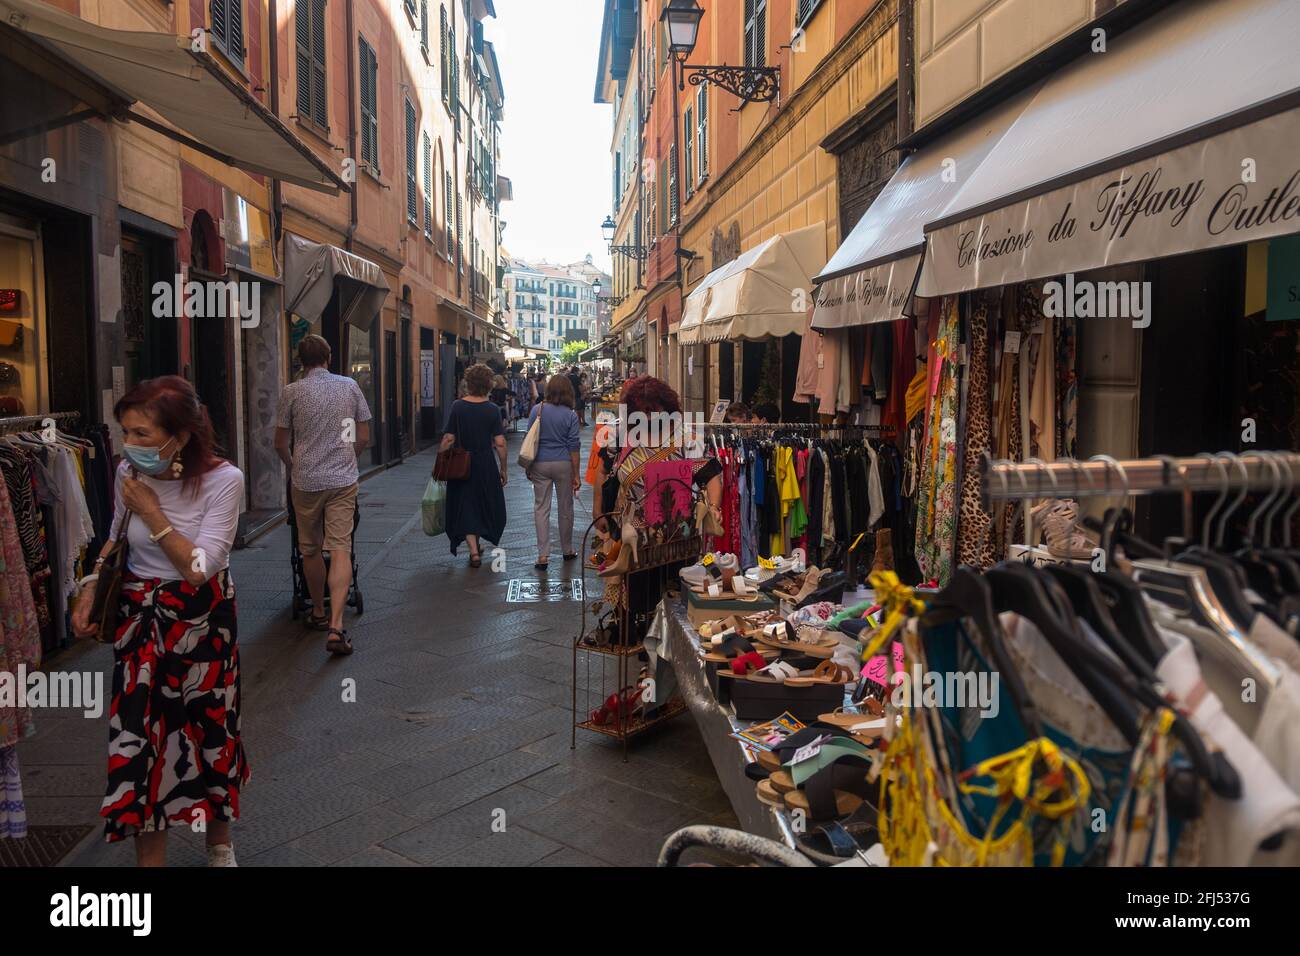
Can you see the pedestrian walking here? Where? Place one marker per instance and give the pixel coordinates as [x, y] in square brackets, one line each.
[175, 754]
[556, 466]
[575, 380]
[326, 418]
[476, 506]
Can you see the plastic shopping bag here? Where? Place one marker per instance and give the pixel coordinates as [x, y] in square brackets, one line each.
[433, 508]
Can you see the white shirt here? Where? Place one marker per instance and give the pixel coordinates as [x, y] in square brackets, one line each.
[208, 517]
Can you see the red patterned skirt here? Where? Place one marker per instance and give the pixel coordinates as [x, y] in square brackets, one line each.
[175, 756]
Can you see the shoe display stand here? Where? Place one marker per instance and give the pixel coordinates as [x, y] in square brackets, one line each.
[717, 723]
[614, 668]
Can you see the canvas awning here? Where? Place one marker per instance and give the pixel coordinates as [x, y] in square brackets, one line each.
[761, 293]
[475, 319]
[1181, 136]
[873, 273]
[315, 273]
[189, 89]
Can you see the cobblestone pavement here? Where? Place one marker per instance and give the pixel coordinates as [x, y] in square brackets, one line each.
[461, 718]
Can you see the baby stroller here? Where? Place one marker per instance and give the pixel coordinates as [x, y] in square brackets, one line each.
[301, 594]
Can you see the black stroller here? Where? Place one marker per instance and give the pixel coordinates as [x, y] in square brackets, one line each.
[301, 594]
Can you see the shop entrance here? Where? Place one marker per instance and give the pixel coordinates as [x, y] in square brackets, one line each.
[152, 343]
[392, 423]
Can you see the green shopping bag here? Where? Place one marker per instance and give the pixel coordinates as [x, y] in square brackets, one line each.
[433, 508]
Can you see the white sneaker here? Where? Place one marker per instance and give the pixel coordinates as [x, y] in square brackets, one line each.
[221, 855]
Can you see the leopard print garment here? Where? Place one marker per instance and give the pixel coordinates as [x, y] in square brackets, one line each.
[975, 533]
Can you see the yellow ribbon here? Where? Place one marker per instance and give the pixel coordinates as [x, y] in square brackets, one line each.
[898, 601]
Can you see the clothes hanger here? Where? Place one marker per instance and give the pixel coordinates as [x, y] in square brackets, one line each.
[1285, 565]
[1261, 574]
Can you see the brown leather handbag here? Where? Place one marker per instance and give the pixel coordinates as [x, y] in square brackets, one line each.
[104, 609]
[452, 464]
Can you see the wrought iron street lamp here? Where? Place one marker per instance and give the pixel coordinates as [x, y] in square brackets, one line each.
[752, 84]
[640, 253]
[612, 300]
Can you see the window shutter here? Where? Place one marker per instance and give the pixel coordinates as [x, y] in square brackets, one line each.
[219, 20]
[424, 25]
[755, 32]
[447, 213]
[428, 186]
[444, 47]
[235, 30]
[702, 117]
[369, 113]
[689, 143]
[412, 192]
[303, 58]
[673, 198]
[319, 95]
[460, 247]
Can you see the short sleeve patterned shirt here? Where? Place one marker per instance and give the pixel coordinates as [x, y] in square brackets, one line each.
[321, 411]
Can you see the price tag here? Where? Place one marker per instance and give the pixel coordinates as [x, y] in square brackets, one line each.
[821, 360]
[707, 559]
[715, 590]
[1012, 344]
[808, 751]
[768, 564]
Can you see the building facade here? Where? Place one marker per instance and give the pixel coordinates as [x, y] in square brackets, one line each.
[372, 129]
[553, 305]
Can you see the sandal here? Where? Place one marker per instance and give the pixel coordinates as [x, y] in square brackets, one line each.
[832, 782]
[570, 556]
[727, 648]
[338, 646]
[827, 672]
[315, 623]
[540, 565]
[475, 560]
[809, 641]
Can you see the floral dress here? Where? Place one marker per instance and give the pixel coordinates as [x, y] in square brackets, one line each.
[936, 523]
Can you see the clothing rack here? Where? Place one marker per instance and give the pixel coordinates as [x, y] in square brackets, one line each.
[1102, 475]
[808, 427]
[23, 423]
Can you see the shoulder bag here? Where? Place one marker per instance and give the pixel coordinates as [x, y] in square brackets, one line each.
[528, 450]
[452, 464]
[104, 610]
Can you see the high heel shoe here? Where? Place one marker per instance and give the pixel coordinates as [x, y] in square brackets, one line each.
[623, 560]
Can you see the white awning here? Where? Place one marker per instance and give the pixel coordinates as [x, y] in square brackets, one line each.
[872, 274]
[1181, 136]
[314, 273]
[760, 293]
[189, 89]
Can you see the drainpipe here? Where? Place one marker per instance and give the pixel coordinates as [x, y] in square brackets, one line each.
[352, 126]
[277, 197]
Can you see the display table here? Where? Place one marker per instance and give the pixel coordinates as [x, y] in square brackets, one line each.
[717, 723]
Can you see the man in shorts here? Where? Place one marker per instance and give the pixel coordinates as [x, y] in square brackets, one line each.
[327, 418]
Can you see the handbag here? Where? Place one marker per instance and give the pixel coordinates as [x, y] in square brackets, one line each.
[104, 610]
[528, 450]
[452, 464]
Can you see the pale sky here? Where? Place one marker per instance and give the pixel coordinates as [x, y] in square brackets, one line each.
[555, 139]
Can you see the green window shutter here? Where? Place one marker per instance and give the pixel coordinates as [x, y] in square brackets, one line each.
[424, 25]
[428, 186]
[689, 143]
[673, 196]
[412, 191]
[444, 48]
[447, 215]
[369, 68]
[702, 118]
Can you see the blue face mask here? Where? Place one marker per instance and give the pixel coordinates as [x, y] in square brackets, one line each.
[147, 459]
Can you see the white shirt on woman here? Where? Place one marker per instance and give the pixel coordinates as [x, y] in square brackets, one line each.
[208, 516]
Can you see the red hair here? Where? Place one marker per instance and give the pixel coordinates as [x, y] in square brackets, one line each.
[648, 394]
[173, 405]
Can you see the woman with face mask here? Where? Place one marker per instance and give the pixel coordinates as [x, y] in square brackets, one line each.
[175, 661]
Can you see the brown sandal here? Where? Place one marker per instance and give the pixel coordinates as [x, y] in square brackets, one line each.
[827, 672]
[338, 646]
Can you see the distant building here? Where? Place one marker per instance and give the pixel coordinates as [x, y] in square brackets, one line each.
[551, 305]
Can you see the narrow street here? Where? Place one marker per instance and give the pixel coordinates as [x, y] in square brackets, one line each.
[462, 710]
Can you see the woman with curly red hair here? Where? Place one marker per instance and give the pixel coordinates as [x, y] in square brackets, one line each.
[175, 754]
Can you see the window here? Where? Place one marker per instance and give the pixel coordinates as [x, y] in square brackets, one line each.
[447, 214]
[460, 249]
[673, 197]
[428, 187]
[444, 47]
[228, 28]
[804, 11]
[369, 67]
[410, 6]
[424, 26]
[689, 141]
[702, 131]
[309, 28]
[755, 32]
[412, 191]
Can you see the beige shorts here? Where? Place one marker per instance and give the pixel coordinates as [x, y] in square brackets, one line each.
[325, 519]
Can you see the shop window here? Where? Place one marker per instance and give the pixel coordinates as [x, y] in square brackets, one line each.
[21, 391]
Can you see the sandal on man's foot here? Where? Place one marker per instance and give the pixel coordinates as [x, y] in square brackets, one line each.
[338, 646]
[315, 623]
[540, 565]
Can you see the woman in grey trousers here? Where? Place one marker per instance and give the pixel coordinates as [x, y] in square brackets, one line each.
[556, 465]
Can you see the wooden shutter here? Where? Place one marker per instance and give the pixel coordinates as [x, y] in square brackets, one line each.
[235, 29]
[444, 47]
[424, 25]
[218, 10]
[319, 87]
[428, 186]
[702, 119]
[447, 214]
[302, 60]
[460, 248]
[755, 32]
[369, 113]
[673, 199]
[412, 191]
[688, 121]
